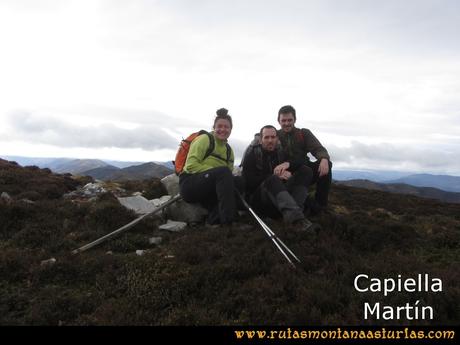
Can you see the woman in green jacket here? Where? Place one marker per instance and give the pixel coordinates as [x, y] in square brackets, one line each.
[208, 179]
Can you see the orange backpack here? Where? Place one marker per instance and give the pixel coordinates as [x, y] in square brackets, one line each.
[184, 147]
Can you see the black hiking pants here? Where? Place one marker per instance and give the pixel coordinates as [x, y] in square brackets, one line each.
[323, 184]
[276, 197]
[214, 189]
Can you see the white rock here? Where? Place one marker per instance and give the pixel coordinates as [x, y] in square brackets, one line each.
[165, 198]
[48, 262]
[160, 201]
[5, 196]
[173, 226]
[155, 202]
[140, 252]
[155, 240]
[138, 204]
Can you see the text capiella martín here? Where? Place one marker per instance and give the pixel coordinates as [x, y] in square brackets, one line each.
[409, 311]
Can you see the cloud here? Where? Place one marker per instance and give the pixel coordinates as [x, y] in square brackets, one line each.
[41, 129]
[149, 130]
[360, 70]
[389, 156]
[129, 115]
[411, 26]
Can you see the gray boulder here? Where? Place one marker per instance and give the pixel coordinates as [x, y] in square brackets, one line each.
[181, 210]
[138, 204]
[171, 183]
[185, 212]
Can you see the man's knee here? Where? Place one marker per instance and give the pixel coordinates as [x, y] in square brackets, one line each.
[271, 181]
[304, 174]
[273, 185]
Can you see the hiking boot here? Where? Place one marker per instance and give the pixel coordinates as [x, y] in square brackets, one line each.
[304, 225]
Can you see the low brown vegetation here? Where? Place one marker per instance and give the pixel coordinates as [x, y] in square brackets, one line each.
[225, 276]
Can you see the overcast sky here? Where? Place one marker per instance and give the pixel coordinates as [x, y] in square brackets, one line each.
[378, 82]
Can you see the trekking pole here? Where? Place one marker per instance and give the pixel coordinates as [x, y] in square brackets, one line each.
[276, 237]
[270, 233]
[125, 227]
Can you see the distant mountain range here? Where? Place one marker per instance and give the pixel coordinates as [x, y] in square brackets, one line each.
[76, 166]
[444, 182]
[137, 172]
[99, 169]
[102, 173]
[372, 175]
[168, 164]
[401, 188]
[70, 165]
[109, 169]
[447, 183]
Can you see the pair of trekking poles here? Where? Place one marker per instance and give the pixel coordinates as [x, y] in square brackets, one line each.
[282, 247]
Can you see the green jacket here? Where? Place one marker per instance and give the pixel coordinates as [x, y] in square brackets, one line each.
[195, 162]
[299, 142]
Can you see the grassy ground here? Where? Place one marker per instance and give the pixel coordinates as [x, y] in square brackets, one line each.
[226, 276]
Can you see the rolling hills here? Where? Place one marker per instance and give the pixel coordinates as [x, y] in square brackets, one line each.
[402, 188]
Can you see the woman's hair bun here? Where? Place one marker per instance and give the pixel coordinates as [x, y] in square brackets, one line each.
[222, 112]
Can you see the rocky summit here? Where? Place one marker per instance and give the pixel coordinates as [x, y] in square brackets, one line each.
[216, 276]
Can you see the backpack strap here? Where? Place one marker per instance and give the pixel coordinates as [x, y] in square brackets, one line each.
[212, 146]
[229, 152]
[258, 154]
[212, 143]
[229, 155]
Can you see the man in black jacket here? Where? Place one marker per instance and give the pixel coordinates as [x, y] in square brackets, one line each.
[296, 144]
[275, 186]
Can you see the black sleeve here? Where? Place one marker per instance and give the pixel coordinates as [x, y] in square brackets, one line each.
[253, 176]
[293, 164]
